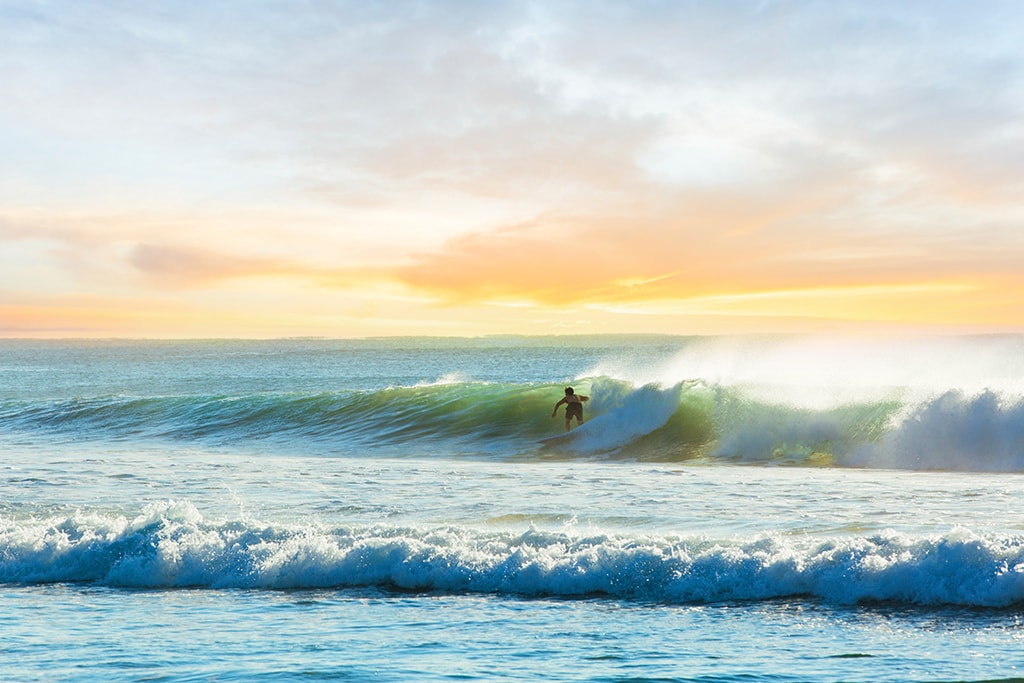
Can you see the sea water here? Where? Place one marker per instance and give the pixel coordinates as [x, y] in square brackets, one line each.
[733, 509]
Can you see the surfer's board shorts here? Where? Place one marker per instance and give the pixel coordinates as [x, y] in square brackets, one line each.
[574, 410]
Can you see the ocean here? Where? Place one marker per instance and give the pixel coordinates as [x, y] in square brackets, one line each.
[733, 509]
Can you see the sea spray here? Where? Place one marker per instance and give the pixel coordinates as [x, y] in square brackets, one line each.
[953, 431]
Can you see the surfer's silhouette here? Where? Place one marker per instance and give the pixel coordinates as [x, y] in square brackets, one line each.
[573, 407]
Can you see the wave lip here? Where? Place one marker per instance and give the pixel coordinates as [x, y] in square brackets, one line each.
[171, 546]
[627, 417]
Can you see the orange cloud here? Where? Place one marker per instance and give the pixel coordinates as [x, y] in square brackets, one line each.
[562, 260]
[715, 257]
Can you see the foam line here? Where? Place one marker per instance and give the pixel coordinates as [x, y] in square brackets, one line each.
[171, 545]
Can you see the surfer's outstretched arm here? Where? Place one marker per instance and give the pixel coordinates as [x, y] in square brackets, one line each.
[555, 411]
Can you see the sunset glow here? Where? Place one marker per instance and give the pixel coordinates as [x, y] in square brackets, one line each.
[448, 168]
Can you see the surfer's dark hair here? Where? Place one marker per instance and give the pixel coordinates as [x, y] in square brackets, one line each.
[569, 390]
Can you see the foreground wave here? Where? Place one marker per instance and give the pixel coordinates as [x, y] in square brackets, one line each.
[171, 545]
[948, 429]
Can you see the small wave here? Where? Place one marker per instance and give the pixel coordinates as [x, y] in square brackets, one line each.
[171, 545]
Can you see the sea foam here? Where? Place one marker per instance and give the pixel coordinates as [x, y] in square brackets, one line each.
[171, 545]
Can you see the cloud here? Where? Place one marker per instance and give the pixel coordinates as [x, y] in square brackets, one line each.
[352, 100]
[555, 153]
[190, 266]
[175, 267]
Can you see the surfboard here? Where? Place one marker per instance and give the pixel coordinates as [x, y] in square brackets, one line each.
[564, 437]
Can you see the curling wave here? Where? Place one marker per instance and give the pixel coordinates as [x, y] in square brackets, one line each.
[685, 421]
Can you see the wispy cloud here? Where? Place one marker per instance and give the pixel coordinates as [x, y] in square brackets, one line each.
[192, 266]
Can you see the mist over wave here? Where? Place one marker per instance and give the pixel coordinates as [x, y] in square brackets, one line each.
[825, 369]
[171, 545]
[931, 403]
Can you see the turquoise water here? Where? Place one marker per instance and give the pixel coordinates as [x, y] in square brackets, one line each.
[386, 510]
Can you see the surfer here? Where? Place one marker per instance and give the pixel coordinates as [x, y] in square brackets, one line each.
[573, 407]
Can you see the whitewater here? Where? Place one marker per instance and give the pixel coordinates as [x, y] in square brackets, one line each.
[406, 509]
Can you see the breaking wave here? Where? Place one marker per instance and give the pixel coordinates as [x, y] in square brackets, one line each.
[171, 545]
[925, 404]
[688, 420]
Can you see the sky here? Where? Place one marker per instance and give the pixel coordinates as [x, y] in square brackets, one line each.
[356, 169]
